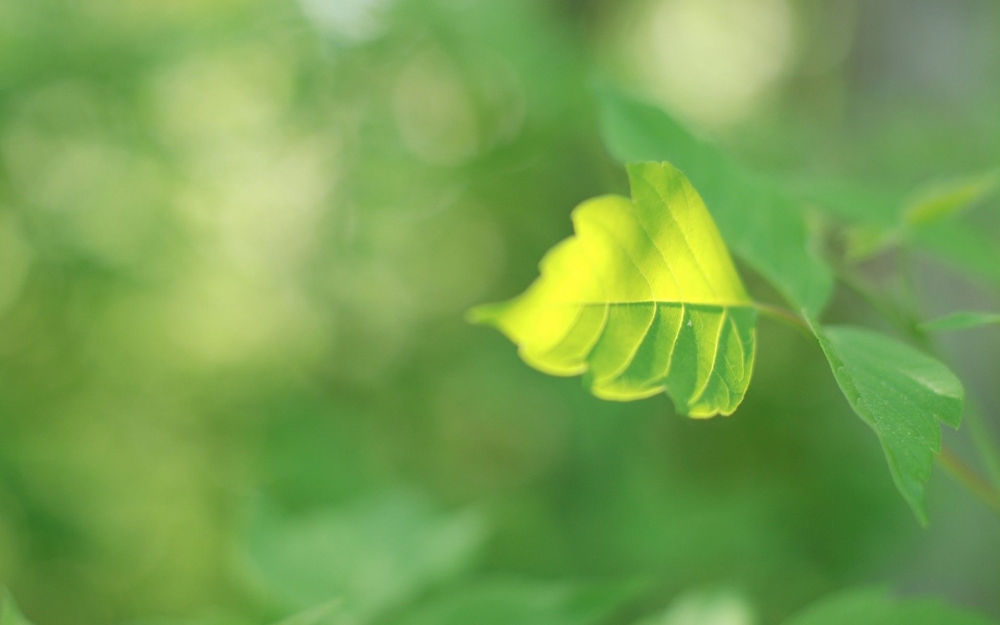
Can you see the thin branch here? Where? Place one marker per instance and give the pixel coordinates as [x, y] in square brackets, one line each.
[964, 474]
[785, 316]
[983, 441]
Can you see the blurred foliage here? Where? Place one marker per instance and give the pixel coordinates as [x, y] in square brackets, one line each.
[237, 238]
[875, 607]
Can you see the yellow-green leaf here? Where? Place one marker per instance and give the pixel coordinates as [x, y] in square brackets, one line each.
[765, 226]
[643, 299]
[901, 394]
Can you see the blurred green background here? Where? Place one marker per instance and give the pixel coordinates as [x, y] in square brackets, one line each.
[237, 238]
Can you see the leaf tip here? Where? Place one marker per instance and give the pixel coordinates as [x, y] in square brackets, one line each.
[920, 512]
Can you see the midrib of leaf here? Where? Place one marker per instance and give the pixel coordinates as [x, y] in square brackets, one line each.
[606, 305]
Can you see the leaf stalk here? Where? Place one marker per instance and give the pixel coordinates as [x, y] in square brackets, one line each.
[784, 316]
[967, 477]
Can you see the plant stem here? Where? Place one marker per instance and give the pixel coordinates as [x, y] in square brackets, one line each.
[885, 306]
[984, 443]
[785, 316]
[964, 474]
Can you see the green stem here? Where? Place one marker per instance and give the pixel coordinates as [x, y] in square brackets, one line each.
[884, 306]
[785, 316]
[964, 475]
[982, 439]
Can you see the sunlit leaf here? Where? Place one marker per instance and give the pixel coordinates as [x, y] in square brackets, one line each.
[876, 607]
[902, 394]
[9, 614]
[643, 299]
[515, 602]
[764, 226]
[373, 555]
[961, 321]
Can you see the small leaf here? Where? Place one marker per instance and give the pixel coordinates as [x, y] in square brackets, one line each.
[643, 299]
[9, 614]
[764, 226]
[902, 394]
[943, 199]
[961, 321]
[876, 607]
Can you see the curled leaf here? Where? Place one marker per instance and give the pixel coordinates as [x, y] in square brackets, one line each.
[643, 299]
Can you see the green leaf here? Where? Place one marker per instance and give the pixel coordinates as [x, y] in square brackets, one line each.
[902, 394]
[961, 321]
[373, 555]
[516, 602]
[943, 199]
[962, 245]
[764, 226]
[9, 614]
[643, 299]
[876, 607]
